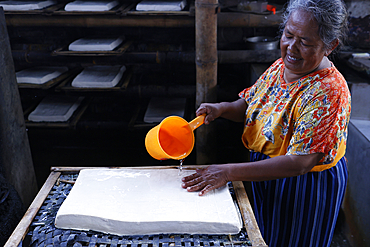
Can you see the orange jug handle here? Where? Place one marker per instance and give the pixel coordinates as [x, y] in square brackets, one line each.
[196, 122]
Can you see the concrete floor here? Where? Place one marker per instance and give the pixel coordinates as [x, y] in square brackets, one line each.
[339, 238]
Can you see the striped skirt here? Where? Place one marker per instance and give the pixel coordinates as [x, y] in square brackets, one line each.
[299, 211]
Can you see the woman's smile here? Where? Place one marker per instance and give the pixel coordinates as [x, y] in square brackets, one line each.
[292, 59]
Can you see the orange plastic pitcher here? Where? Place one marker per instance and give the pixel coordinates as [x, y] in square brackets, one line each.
[173, 138]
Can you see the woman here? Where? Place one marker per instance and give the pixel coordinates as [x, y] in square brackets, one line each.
[296, 118]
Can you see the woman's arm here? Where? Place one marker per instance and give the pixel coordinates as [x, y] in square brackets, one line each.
[233, 111]
[215, 176]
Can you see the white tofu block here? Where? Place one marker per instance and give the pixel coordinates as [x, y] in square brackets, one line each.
[99, 76]
[25, 5]
[55, 108]
[163, 5]
[39, 75]
[159, 108]
[95, 44]
[90, 5]
[145, 201]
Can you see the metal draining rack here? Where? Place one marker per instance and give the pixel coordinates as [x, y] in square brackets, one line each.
[41, 230]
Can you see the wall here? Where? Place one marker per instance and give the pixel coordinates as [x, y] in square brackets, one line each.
[357, 198]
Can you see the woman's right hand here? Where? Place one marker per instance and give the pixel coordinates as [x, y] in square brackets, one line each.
[234, 111]
[212, 111]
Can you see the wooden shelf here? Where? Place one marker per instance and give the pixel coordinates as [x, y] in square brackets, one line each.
[134, 19]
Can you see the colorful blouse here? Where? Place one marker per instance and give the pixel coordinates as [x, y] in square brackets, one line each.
[306, 116]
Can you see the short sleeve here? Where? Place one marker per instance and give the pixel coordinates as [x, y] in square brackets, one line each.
[248, 93]
[321, 120]
[268, 76]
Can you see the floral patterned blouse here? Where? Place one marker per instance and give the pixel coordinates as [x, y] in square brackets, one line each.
[306, 116]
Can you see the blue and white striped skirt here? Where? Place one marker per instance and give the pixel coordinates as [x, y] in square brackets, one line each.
[299, 211]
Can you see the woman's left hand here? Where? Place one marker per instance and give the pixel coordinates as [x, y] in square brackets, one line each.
[207, 179]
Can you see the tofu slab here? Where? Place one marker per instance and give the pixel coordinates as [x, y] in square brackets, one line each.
[25, 5]
[161, 5]
[145, 201]
[55, 108]
[39, 75]
[96, 44]
[99, 76]
[90, 5]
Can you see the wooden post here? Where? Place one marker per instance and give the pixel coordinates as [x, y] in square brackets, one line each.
[15, 154]
[206, 68]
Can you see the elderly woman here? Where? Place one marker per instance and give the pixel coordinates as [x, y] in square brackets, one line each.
[295, 124]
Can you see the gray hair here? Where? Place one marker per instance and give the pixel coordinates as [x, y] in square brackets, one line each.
[331, 17]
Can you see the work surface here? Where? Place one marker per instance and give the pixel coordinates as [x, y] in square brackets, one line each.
[37, 227]
[145, 201]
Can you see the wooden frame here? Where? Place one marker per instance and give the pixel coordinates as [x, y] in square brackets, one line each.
[121, 86]
[70, 123]
[122, 48]
[21, 230]
[51, 83]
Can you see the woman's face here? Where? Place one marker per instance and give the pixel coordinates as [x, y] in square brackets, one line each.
[301, 47]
